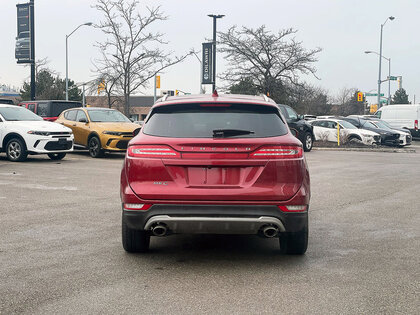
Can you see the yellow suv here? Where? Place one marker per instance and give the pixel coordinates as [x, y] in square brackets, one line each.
[99, 129]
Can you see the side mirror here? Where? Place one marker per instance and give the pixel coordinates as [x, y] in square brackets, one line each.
[300, 117]
[83, 120]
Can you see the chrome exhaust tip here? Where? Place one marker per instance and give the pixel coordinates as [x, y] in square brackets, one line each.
[160, 230]
[270, 231]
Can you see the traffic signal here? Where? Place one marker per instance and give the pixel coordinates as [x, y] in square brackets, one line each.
[360, 97]
[101, 86]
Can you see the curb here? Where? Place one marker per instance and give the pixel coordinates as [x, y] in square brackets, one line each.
[388, 150]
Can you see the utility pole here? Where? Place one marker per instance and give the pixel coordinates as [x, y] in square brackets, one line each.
[154, 90]
[32, 21]
[215, 17]
[380, 60]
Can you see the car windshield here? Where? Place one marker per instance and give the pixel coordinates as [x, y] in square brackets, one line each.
[382, 124]
[98, 115]
[215, 120]
[368, 124]
[18, 114]
[346, 124]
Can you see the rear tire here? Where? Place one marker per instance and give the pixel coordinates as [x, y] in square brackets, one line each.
[295, 243]
[56, 156]
[16, 150]
[95, 149]
[134, 241]
[308, 142]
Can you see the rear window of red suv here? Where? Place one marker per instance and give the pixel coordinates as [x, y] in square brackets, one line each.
[202, 120]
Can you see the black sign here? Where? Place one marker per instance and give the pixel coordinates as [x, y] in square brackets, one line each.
[23, 22]
[23, 39]
[207, 64]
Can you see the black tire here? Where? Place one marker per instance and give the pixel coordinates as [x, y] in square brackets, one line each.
[95, 149]
[16, 150]
[134, 241]
[308, 142]
[56, 156]
[295, 243]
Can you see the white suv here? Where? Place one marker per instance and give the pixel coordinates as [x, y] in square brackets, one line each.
[22, 133]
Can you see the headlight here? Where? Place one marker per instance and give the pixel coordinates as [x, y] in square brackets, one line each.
[39, 133]
[112, 133]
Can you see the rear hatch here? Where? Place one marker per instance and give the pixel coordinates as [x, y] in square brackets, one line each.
[215, 152]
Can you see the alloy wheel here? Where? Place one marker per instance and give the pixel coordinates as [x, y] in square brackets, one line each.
[14, 150]
[308, 142]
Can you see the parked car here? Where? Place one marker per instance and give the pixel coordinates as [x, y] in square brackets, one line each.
[326, 130]
[405, 135]
[388, 137]
[401, 116]
[6, 101]
[309, 117]
[215, 164]
[299, 127]
[22, 133]
[49, 110]
[99, 129]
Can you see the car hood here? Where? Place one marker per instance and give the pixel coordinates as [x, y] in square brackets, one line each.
[39, 125]
[114, 126]
[365, 131]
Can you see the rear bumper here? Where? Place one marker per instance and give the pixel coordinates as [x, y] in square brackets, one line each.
[216, 219]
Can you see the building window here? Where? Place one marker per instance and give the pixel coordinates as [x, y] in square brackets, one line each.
[134, 117]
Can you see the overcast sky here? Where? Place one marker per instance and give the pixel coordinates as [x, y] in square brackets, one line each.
[343, 29]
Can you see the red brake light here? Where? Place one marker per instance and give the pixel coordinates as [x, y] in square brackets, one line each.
[293, 208]
[277, 152]
[416, 124]
[152, 151]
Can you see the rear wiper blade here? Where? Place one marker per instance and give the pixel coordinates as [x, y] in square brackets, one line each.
[223, 133]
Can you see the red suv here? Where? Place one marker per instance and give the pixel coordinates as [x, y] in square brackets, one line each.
[214, 164]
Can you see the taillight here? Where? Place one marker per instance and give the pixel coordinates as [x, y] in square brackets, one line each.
[152, 151]
[416, 125]
[137, 206]
[277, 152]
[293, 208]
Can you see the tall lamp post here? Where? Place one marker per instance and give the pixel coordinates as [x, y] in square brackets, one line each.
[201, 71]
[67, 57]
[380, 60]
[389, 73]
[215, 17]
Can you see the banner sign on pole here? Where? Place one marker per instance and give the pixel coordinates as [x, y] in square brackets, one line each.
[207, 63]
[24, 33]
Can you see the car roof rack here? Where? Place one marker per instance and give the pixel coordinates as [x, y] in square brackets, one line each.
[266, 98]
[165, 97]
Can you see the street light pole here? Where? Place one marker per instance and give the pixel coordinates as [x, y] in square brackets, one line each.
[389, 81]
[201, 72]
[67, 57]
[389, 74]
[380, 60]
[215, 17]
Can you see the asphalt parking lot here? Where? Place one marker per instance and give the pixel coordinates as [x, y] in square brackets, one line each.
[60, 249]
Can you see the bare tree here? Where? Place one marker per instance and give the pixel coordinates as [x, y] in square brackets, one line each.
[131, 51]
[269, 60]
[344, 96]
[110, 84]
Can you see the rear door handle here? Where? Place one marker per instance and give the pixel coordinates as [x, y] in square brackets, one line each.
[74, 125]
